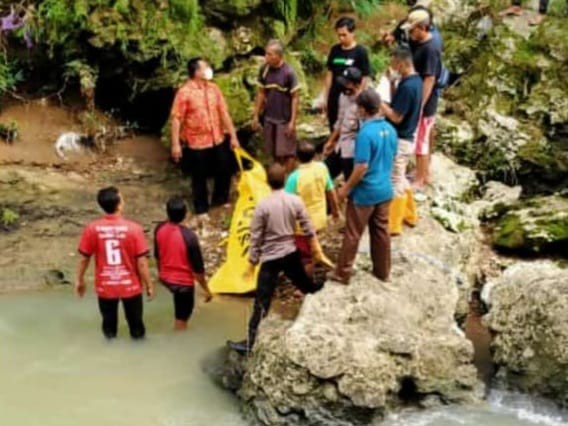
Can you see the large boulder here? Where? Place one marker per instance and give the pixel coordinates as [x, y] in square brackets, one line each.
[358, 352]
[529, 322]
[538, 225]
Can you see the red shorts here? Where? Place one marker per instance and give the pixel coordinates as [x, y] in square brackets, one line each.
[303, 243]
[425, 127]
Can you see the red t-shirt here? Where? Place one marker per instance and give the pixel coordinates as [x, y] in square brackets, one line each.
[116, 243]
[177, 251]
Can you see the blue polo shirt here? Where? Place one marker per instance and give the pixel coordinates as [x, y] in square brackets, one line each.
[407, 101]
[376, 145]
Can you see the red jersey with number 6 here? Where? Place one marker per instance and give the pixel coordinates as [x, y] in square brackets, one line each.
[116, 243]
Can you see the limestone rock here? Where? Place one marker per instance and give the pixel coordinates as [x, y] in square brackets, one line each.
[529, 321]
[534, 226]
[360, 351]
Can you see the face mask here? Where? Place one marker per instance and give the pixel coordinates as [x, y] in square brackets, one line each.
[394, 74]
[208, 73]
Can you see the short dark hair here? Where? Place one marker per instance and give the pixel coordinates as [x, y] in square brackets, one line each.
[369, 100]
[276, 176]
[177, 209]
[193, 66]
[109, 199]
[306, 152]
[402, 53]
[346, 22]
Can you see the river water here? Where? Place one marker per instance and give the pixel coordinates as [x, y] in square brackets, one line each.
[56, 370]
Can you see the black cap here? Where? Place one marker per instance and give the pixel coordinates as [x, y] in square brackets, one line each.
[350, 75]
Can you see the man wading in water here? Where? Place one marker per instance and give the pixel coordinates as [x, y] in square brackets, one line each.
[121, 265]
[180, 262]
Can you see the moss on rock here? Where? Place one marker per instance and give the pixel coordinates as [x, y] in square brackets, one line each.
[536, 226]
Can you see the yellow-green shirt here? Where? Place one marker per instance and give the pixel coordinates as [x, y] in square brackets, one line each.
[311, 182]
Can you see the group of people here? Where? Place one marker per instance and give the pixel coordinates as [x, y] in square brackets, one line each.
[371, 144]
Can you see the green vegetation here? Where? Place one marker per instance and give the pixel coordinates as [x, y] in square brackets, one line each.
[8, 217]
[10, 76]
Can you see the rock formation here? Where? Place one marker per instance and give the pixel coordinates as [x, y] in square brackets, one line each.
[529, 320]
[358, 352]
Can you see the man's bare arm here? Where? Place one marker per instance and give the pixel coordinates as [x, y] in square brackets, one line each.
[144, 274]
[82, 266]
[427, 88]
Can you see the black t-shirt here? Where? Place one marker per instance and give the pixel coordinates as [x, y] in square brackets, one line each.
[428, 62]
[339, 59]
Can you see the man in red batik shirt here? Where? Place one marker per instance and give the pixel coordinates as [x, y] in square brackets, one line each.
[121, 265]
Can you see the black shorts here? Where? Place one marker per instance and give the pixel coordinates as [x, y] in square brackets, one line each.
[184, 300]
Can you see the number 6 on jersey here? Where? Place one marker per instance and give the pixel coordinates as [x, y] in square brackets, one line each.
[112, 250]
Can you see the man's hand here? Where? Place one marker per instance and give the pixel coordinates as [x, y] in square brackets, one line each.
[235, 142]
[80, 287]
[249, 272]
[290, 129]
[207, 295]
[255, 124]
[176, 153]
[328, 148]
[342, 194]
[150, 291]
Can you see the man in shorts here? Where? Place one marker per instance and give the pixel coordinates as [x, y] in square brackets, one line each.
[403, 113]
[427, 58]
[180, 262]
[277, 103]
[312, 182]
[121, 265]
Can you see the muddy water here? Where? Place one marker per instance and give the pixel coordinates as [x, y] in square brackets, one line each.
[57, 370]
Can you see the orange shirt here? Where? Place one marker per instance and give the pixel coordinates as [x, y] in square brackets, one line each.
[200, 108]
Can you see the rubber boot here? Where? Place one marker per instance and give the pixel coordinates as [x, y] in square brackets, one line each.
[396, 215]
[411, 213]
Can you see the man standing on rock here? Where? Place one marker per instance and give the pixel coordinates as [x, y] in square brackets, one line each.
[403, 113]
[369, 190]
[273, 245]
[340, 147]
[428, 63]
[121, 265]
[200, 120]
[277, 102]
[347, 53]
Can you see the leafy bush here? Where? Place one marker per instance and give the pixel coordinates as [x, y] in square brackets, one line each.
[10, 76]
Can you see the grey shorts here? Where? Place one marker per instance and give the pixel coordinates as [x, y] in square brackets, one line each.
[276, 142]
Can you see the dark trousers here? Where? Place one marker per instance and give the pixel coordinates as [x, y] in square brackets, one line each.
[184, 300]
[542, 5]
[337, 165]
[332, 108]
[357, 218]
[201, 164]
[133, 310]
[293, 268]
